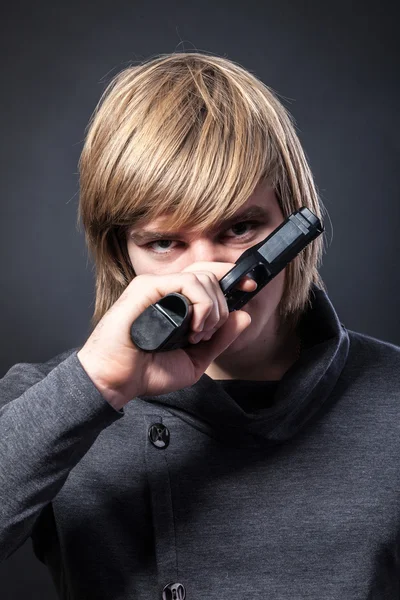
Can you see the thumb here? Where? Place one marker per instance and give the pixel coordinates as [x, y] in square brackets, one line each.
[206, 351]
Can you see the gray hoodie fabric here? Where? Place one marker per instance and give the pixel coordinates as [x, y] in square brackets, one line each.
[188, 496]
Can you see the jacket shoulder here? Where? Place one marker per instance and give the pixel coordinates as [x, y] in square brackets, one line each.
[24, 375]
[371, 350]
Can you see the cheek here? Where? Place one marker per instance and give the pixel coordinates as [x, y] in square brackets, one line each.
[269, 297]
[139, 262]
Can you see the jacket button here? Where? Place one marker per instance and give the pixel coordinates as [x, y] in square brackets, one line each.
[159, 437]
[174, 591]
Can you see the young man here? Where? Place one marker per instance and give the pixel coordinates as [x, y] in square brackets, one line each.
[245, 465]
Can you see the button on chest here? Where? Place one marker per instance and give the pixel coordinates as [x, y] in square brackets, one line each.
[159, 435]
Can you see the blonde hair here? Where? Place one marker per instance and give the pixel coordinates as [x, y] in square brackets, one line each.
[188, 135]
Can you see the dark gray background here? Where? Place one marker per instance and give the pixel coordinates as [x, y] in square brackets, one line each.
[336, 68]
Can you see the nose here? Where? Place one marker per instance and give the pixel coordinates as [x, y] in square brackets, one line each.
[203, 249]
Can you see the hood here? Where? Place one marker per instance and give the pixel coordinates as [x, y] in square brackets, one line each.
[303, 390]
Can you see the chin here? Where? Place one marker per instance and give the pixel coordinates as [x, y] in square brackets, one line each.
[244, 339]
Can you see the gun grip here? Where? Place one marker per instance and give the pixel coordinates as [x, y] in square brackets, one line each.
[163, 325]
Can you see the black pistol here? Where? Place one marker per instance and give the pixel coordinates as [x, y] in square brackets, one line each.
[165, 325]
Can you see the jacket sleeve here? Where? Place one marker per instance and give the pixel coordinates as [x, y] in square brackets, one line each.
[50, 415]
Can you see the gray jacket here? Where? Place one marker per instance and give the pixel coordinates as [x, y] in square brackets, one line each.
[185, 495]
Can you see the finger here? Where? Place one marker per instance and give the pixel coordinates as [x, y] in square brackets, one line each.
[248, 285]
[205, 352]
[219, 312]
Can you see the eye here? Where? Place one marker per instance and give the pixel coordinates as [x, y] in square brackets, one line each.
[242, 236]
[240, 225]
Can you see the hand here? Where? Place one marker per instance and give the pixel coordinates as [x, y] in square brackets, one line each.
[121, 371]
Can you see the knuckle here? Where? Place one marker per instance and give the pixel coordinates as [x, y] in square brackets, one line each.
[225, 313]
[214, 279]
[205, 313]
[209, 305]
[210, 274]
[191, 277]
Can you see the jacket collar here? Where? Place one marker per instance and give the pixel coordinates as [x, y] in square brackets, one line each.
[303, 390]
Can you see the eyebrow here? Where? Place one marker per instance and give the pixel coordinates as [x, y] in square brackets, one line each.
[251, 212]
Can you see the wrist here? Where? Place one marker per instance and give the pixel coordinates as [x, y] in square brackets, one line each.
[116, 399]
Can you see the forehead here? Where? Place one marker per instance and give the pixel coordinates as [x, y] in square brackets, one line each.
[260, 205]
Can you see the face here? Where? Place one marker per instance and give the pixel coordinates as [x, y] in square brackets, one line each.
[172, 253]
